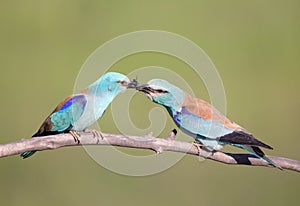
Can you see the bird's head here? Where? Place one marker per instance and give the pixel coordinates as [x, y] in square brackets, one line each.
[162, 92]
[112, 83]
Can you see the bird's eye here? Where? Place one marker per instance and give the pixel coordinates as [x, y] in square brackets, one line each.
[122, 82]
[161, 91]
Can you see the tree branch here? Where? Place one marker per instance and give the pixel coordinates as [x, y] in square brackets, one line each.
[158, 145]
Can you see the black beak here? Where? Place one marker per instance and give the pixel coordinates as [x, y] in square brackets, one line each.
[133, 84]
[144, 88]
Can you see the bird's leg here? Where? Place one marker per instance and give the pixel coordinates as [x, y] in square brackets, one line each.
[203, 151]
[198, 146]
[75, 136]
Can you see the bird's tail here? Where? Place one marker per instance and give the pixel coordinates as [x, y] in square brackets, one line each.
[271, 162]
[260, 154]
[27, 154]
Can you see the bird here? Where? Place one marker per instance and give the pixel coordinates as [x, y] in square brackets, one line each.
[79, 111]
[201, 120]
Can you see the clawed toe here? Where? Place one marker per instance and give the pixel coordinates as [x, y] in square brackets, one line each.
[198, 146]
[75, 136]
[97, 134]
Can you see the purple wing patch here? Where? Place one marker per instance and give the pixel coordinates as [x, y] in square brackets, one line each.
[75, 99]
[183, 111]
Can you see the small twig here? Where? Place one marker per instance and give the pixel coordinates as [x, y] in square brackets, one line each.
[159, 145]
[172, 134]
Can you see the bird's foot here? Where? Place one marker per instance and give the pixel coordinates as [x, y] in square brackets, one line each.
[203, 152]
[198, 146]
[97, 134]
[75, 136]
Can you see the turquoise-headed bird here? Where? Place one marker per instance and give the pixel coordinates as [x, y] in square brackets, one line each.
[201, 120]
[79, 111]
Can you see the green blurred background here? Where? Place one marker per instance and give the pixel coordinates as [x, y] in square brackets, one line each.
[255, 46]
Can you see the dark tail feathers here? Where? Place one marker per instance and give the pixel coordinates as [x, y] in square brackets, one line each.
[243, 138]
[27, 154]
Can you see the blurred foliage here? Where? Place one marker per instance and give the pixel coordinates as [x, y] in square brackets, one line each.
[254, 44]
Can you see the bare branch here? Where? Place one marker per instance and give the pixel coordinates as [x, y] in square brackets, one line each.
[158, 145]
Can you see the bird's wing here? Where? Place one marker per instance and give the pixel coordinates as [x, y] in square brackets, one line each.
[206, 111]
[195, 125]
[243, 138]
[231, 133]
[64, 115]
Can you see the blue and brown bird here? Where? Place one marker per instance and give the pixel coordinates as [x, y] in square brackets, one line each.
[79, 111]
[201, 120]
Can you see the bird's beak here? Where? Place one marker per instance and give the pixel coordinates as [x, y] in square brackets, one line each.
[132, 84]
[144, 88]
